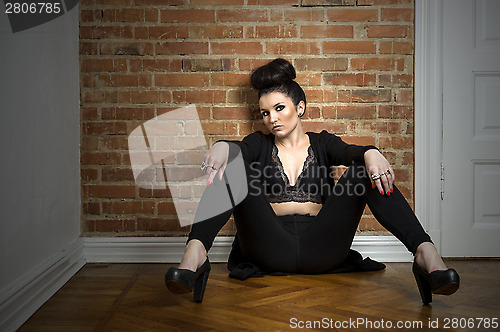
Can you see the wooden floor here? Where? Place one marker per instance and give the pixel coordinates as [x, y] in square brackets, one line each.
[132, 297]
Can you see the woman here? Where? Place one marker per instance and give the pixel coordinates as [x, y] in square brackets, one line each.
[307, 226]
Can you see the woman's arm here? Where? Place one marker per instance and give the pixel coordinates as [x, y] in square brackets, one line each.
[218, 155]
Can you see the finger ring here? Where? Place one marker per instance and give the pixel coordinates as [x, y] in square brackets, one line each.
[388, 172]
[203, 166]
[213, 167]
[375, 176]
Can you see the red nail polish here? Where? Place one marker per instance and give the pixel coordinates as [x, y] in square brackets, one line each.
[208, 183]
[382, 192]
[388, 193]
[392, 190]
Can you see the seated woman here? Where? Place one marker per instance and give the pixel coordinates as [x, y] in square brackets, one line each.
[307, 225]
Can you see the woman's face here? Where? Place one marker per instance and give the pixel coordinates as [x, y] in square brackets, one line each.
[279, 113]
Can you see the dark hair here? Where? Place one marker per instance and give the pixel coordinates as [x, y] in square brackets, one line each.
[278, 75]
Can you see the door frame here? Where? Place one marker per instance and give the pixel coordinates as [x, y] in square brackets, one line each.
[429, 115]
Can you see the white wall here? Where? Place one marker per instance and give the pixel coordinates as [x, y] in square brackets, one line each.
[39, 148]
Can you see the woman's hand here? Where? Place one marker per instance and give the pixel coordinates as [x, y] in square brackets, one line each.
[216, 160]
[375, 164]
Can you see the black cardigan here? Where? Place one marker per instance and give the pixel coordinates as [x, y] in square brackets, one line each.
[329, 150]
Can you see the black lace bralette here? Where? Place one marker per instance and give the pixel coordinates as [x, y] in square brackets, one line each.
[306, 189]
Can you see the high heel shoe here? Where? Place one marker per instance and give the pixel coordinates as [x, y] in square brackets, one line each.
[184, 281]
[445, 282]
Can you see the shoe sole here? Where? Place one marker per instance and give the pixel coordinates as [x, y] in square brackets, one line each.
[177, 288]
[447, 289]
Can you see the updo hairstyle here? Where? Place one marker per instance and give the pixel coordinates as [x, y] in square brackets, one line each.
[278, 76]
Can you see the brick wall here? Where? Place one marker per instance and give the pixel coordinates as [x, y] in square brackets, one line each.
[142, 58]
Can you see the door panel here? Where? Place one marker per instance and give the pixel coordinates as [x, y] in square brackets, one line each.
[471, 128]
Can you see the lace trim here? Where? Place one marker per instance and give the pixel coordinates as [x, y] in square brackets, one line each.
[307, 162]
[293, 193]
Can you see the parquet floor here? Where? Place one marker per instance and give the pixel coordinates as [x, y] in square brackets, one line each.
[132, 297]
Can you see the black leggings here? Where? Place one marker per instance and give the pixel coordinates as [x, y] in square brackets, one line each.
[312, 244]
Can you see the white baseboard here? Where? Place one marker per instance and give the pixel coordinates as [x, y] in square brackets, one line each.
[170, 249]
[23, 297]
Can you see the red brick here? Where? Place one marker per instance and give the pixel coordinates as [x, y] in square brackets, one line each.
[380, 64]
[355, 112]
[350, 79]
[181, 79]
[397, 14]
[383, 2]
[187, 16]
[143, 97]
[166, 208]
[216, 2]
[160, 65]
[349, 47]
[160, 2]
[109, 191]
[404, 96]
[332, 127]
[351, 15]
[126, 113]
[103, 65]
[321, 64]
[104, 128]
[242, 15]
[161, 32]
[103, 32]
[288, 47]
[92, 208]
[393, 47]
[224, 79]
[273, 2]
[236, 48]
[388, 31]
[111, 225]
[364, 95]
[89, 174]
[396, 80]
[327, 31]
[359, 140]
[218, 127]
[133, 48]
[181, 48]
[328, 2]
[128, 207]
[216, 31]
[117, 174]
[274, 31]
[89, 143]
[101, 158]
[88, 113]
[114, 143]
[309, 79]
[230, 113]
[396, 111]
[304, 14]
[88, 48]
[90, 15]
[199, 96]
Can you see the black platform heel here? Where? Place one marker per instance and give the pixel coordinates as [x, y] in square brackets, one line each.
[444, 282]
[184, 281]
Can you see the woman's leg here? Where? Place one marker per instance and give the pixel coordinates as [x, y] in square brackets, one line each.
[325, 244]
[262, 238]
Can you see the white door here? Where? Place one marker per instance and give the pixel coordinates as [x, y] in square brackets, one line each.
[471, 128]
